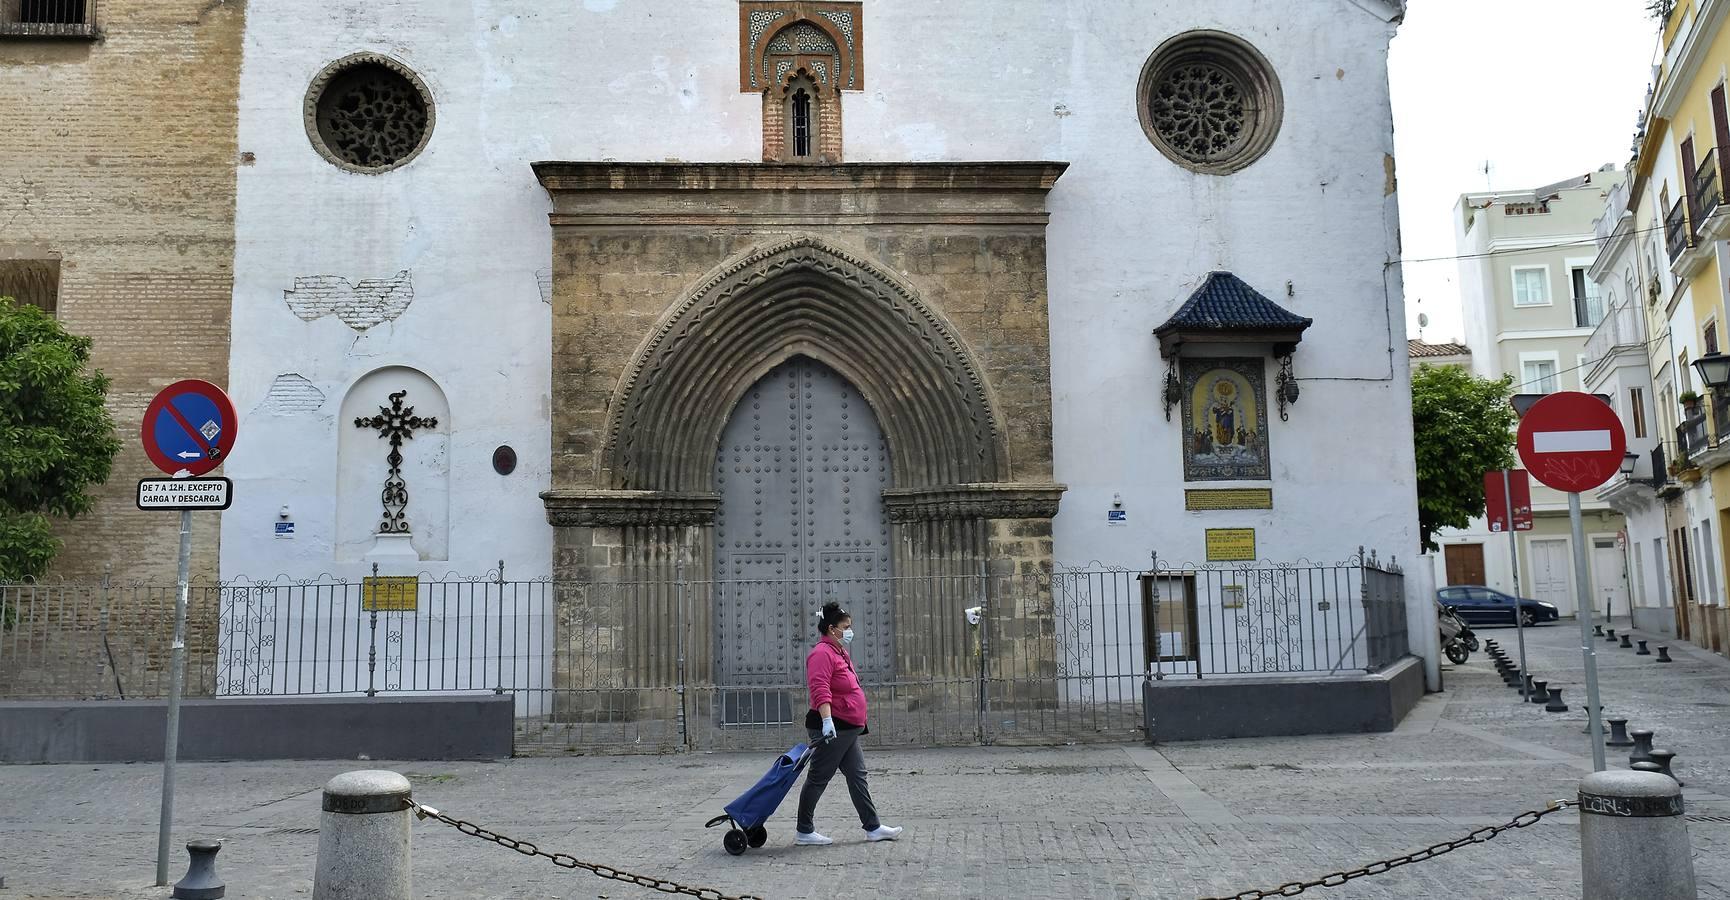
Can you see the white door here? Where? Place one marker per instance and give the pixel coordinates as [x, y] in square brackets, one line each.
[1610, 576]
[1551, 571]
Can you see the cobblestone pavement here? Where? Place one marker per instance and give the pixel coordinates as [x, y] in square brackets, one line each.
[1100, 821]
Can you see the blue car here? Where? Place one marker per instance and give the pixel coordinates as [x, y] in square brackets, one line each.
[1480, 605]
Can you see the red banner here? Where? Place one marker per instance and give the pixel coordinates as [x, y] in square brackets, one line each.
[1497, 502]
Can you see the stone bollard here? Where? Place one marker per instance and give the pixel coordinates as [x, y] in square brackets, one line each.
[1556, 704]
[1642, 746]
[1598, 630]
[1627, 642]
[1610, 635]
[1529, 685]
[1540, 691]
[1647, 765]
[363, 838]
[1618, 733]
[1588, 728]
[1663, 758]
[1634, 839]
[201, 881]
[1664, 654]
[1642, 651]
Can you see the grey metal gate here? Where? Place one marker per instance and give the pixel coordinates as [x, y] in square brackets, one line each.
[801, 469]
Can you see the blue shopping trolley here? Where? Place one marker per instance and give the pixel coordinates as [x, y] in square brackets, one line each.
[746, 815]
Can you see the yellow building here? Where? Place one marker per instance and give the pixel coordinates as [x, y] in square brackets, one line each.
[1680, 226]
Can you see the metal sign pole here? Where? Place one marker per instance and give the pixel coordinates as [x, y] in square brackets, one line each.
[171, 748]
[1514, 559]
[1583, 592]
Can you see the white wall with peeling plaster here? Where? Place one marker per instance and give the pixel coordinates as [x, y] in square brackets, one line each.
[1312, 225]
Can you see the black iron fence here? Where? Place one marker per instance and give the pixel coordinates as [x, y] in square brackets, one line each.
[692, 663]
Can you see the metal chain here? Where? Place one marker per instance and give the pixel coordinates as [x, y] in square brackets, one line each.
[571, 862]
[1335, 879]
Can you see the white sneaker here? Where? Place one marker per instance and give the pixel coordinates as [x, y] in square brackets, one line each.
[814, 839]
[883, 833]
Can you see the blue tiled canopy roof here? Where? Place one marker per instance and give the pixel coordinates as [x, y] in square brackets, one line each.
[1224, 303]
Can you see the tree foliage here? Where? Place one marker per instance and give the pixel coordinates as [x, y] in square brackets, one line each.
[1463, 427]
[57, 439]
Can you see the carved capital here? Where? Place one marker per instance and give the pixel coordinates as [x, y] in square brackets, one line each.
[973, 501]
[609, 509]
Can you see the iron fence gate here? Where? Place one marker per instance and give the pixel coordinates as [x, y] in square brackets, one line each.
[975, 658]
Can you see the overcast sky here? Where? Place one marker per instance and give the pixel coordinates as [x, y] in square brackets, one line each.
[1541, 89]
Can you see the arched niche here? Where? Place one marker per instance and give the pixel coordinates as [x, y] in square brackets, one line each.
[367, 527]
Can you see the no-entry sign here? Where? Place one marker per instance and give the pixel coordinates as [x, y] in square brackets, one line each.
[189, 427]
[1572, 441]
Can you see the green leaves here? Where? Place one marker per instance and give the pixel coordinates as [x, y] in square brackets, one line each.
[1463, 427]
[57, 439]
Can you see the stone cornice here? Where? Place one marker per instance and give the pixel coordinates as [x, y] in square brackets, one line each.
[598, 508]
[973, 501]
[736, 176]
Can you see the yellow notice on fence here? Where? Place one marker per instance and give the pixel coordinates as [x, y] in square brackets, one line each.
[390, 593]
[1230, 544]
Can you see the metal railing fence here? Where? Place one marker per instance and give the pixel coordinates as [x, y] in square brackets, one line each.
[719, 664]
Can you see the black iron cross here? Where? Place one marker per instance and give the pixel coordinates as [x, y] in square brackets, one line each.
[397, 423]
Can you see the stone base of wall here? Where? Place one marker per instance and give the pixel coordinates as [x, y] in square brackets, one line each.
[1655, 620]
[1200, 709]
[260, 728]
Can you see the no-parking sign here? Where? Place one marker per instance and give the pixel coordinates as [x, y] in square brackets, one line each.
[189, 427]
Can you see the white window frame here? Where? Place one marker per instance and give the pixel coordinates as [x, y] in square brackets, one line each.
[1580, 371]
[1553, 358]
[1514, 285]
[1584, 264]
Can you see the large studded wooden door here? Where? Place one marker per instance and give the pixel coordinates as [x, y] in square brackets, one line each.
[801, 469]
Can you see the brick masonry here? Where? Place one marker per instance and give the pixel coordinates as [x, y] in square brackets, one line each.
[118, 160]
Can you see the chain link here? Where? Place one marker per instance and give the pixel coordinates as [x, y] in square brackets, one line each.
[1335, 879]
[565, 860]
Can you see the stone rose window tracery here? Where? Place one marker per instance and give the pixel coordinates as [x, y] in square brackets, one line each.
[368, 113]
[1210, 102]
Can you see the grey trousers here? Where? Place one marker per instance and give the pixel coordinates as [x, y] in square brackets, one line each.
[842, 753]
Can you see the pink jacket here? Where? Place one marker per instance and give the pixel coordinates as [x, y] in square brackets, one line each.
[830, 676]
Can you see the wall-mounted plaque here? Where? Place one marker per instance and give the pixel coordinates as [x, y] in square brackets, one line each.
[1230, 544]
[1227, 498]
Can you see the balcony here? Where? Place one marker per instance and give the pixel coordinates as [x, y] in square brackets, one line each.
[1636, 491]
[1676, 236]
[1623, 328]
[48, 19]
[1707, 190]
[1699, 447]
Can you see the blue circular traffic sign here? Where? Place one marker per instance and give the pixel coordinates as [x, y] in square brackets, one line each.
[189, 427]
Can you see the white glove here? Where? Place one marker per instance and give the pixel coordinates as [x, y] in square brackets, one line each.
[828, 728]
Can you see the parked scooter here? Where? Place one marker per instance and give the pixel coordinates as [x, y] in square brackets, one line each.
[1458, 641]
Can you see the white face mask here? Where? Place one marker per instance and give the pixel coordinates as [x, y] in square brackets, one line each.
[846, 636]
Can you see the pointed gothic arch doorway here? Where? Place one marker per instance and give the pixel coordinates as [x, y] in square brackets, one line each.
[800, 470]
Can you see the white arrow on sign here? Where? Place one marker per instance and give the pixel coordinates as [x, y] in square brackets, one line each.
[189, 454]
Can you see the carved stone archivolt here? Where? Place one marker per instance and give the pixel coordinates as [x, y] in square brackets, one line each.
[973, 501]
[802, 297]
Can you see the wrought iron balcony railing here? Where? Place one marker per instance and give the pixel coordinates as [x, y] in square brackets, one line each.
[1677, 238]
[1708, 191]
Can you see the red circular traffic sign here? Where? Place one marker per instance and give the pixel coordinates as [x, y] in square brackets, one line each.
[1572, 441]
[189, 427]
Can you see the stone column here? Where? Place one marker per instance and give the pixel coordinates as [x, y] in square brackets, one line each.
[1633, 838]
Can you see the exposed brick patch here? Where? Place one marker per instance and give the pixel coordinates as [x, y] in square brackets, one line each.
[291, 394]
[360, 305]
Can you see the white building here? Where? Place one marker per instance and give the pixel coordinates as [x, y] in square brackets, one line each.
[1530, 306]
[704, 146]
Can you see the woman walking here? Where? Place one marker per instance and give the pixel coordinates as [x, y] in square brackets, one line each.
[836, 722]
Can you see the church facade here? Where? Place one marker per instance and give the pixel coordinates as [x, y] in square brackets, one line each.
[804, 292]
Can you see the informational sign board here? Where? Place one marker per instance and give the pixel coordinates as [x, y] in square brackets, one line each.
[1230, 544]
[185, 493]
[1497, 503]
[189, 427]
[1572, 441]
[390, 593]
[1201, 499]
[1117, 517]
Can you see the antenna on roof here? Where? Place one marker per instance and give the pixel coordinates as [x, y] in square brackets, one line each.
[1423, 322]
[1487, 170]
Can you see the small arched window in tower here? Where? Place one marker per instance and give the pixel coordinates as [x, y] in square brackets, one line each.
[801, 108]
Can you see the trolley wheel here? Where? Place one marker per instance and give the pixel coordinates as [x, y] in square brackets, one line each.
[757, 835]
[734, 841]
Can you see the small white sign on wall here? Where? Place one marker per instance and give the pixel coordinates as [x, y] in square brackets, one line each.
[1117, 517]
[285, 531]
